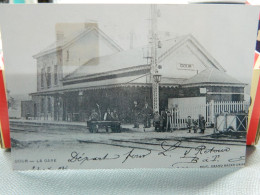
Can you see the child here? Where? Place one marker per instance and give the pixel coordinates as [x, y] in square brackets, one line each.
[188, 122]
[195, 126]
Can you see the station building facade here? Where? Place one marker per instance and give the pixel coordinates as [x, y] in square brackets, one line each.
[89, 70]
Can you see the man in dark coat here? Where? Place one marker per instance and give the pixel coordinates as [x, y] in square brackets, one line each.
[202, 124]
[135, 114]
[115, 127]
[164, 119]
[147, 114]
[157, 119]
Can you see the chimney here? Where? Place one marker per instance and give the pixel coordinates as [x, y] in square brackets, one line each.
[59, 35]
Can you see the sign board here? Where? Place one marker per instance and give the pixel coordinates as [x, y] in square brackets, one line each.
[185, 66]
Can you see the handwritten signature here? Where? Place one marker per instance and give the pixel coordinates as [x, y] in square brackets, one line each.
[82, 157]
[198, 154]
[133, 155]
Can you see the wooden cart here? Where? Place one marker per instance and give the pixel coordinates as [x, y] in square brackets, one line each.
[94, 126]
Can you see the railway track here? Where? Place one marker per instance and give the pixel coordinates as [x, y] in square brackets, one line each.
[147, 142]
[207, 140]
[155, 143]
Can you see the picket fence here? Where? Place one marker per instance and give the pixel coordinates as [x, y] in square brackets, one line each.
[209, 110]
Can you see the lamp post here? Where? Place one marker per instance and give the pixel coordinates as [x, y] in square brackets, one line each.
[156, 78]
[80, 104]
[156, 81]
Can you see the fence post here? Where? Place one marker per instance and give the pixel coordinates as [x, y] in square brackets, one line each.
[211, 111]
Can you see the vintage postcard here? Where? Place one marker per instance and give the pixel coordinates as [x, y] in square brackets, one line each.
[128, 86]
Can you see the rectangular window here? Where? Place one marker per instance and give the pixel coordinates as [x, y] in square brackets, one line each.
[42, 105]
[56, 75]
[236, 97]
[42, 77]
[49, 77]
[49, 104]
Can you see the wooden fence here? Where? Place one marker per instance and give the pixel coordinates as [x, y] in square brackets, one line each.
[208, 111]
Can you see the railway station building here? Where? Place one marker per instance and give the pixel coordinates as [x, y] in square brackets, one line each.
[89, 70]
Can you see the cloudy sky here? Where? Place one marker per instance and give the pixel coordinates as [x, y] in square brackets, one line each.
[228, 32]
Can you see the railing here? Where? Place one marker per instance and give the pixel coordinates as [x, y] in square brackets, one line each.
[208, 111]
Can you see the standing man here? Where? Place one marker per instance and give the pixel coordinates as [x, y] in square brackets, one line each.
[135, 114]
[157, 121]
[199, 122]
[164, 119]
[115, 127]
[147, 113]
[202, 124]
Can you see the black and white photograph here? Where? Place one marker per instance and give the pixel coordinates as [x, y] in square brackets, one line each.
[128, 86]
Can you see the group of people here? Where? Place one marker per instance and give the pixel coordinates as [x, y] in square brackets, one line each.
[108, 116]
[161, 122]
[196, 124]
[145, 113]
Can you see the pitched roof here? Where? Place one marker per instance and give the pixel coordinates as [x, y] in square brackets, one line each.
[171, 47]
[54, 47]
[116, 61]
[120, 60]
[136, 57]
[211, 76]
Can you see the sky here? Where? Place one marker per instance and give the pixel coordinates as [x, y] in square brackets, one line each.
[228, 33]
